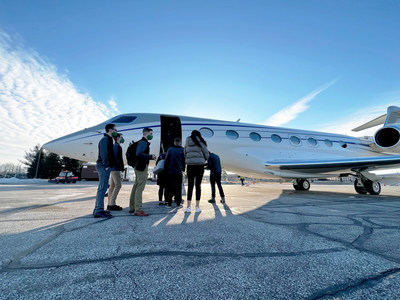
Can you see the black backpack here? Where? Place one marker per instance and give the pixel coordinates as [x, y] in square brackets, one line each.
[131, 154]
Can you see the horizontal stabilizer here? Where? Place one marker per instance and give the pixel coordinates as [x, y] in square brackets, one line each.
[392, 117]
[375, 122]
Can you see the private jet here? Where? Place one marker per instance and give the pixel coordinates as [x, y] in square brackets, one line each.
[260, 151]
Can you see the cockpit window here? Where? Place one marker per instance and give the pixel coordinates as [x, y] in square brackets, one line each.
[125, 119]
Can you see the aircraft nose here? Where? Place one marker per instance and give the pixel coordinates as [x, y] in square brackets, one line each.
[55, 147]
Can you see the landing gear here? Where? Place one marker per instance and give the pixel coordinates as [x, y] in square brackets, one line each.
[373, 187]
[360, 188]
[367, 186]
[301, 185]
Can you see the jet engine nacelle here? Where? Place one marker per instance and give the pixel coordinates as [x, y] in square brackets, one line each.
[388, 138]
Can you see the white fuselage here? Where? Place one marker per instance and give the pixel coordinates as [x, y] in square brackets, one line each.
[243, 148]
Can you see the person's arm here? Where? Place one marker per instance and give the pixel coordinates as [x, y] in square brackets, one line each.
[205, 151]
[166, 162]
[116, 159]
[140, 151]
[104, 152]
[210, 163]
[183, 162]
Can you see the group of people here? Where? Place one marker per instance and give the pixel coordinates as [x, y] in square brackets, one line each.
[194, 156]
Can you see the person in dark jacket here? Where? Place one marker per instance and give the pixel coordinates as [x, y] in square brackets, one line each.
[104, 163]
[161, 181]
[143, 157]
[174, 166]
[214, 164]
[115, 179]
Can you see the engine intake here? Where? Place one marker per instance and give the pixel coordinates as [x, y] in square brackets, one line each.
[387, 137]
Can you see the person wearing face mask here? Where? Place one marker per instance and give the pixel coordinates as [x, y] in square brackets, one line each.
[115, 179]
[143, 157]
[104, 163]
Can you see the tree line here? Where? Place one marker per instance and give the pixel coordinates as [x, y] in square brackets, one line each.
[50, 164]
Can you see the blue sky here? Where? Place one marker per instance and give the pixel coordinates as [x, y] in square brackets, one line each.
[319, 65]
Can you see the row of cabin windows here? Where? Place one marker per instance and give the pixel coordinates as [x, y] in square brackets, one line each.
[232, 134]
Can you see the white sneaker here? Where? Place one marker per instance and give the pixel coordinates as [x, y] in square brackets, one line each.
[188, 210]
[198, 209]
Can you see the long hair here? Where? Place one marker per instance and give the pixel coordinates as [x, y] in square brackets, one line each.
[196, 137]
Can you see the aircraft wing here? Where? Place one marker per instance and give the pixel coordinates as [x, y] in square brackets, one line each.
[342, 165]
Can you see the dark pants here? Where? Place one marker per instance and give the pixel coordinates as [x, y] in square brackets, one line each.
[174, 188]
[194, 173]
[161, 192]
[215, 178]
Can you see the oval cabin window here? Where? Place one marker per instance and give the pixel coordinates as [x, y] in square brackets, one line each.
[276, 138]
[255, 136]
[328, 143]
[206, 132]
[295, 140]
[312, 142]
[232, 134]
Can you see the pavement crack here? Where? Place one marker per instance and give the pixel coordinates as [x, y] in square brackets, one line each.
[124, 256]
[337, 289]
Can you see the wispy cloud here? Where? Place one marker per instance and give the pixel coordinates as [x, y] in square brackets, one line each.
[37, 102]
[291, 112]
[364, 115]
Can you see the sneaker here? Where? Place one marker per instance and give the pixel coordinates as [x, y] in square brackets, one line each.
[168, 206]
[132, 211]
[102, 214]
[198, 209]
[211, 200]
[188, 210]
[179, 206]
[114, 207]
[161, 202]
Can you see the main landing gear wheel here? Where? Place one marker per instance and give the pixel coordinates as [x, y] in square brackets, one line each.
[360, 189]
[369, 186]
[301, 185]
[373, 187]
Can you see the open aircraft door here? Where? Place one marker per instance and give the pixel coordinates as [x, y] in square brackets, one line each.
[170, 129]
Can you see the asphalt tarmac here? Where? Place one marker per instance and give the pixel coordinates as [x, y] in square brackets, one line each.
[267, 242]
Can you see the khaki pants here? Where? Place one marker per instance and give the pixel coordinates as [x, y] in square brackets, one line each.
[135, 201]
[115, 186]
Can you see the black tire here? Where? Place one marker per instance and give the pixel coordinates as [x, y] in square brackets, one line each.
[305, 184]
[373, 187]
[301, 185]
[360, 189]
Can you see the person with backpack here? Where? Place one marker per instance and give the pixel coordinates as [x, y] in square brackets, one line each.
[143, 157]
[196, 154]
[115, 179]
[104, 163]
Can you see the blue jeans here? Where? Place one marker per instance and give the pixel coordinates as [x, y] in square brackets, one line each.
[104, 176]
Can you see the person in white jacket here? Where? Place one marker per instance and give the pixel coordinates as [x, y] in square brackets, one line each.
[196, 155]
